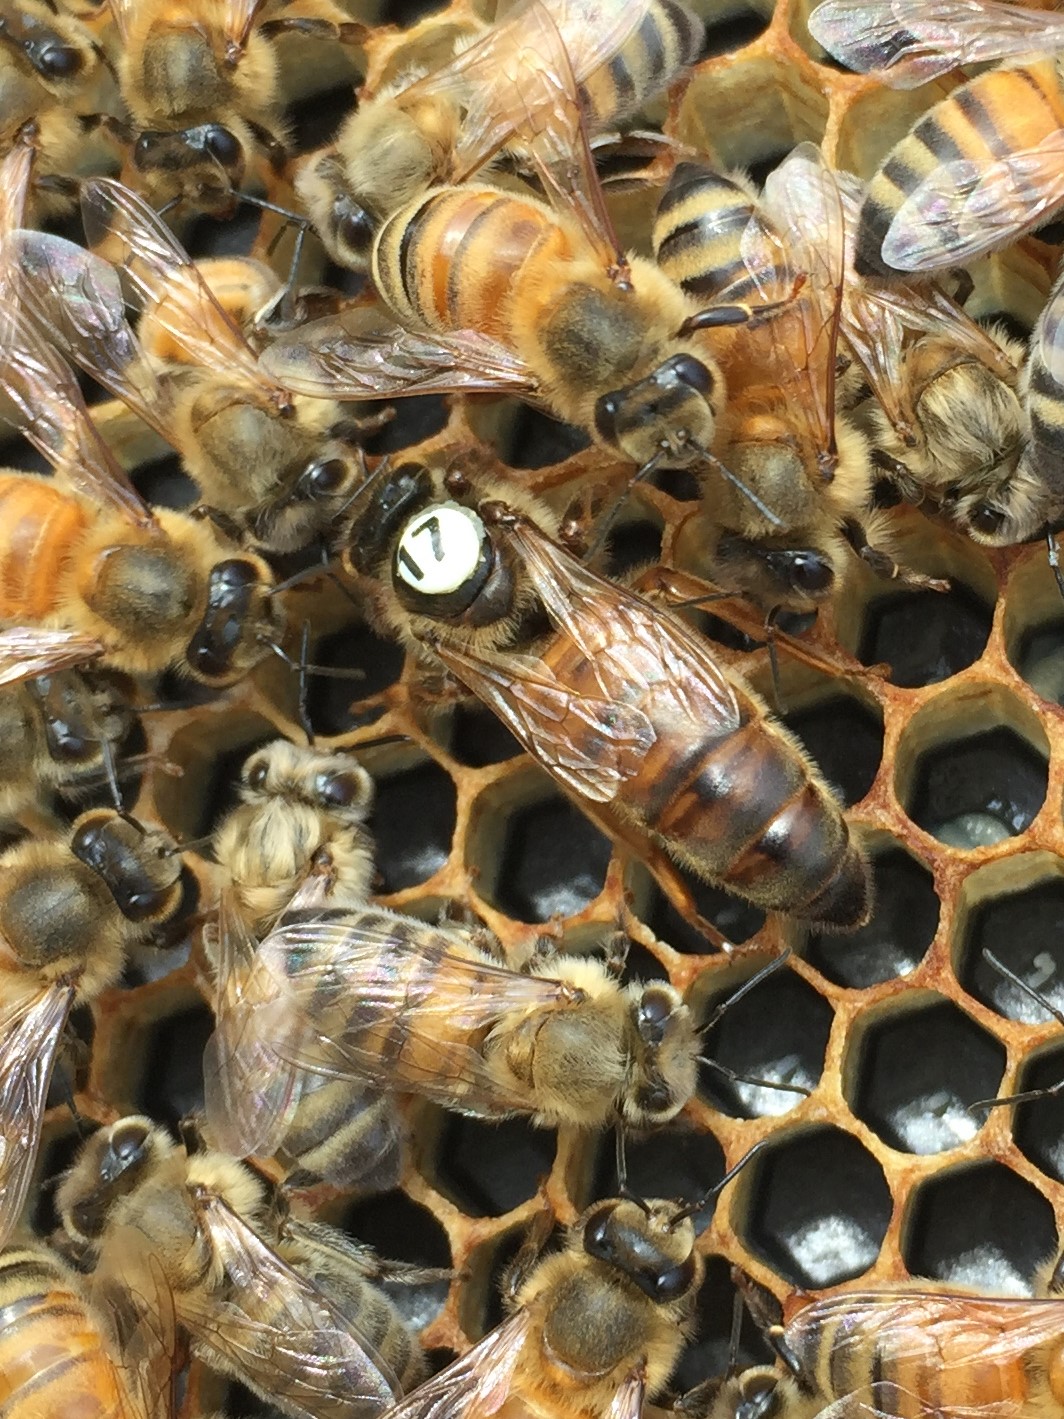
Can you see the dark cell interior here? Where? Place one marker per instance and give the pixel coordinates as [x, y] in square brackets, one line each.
[709, 1352]
[735, 919]
[981, 1226]
[535, 440]
[551, 862]
[733, 33]
[479, 738]
[489, 1168]
[1038, 1125]
[819, 1207]
[918, 1072]
[846, 740]
[221, 790]
[894, 942]
[171, 1086]
[925, 636]
[675, 1163]
[633, 544]
[1024, 931]
[413, 824]
[399, 1230]
[978, 790]
[330, 701]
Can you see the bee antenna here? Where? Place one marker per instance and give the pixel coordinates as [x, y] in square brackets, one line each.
[301, 699]
[741, 487]
[329, 672]
[1048, 1091]
[692, 1207]
[752, 983]
[735, 1336]
[606, 521]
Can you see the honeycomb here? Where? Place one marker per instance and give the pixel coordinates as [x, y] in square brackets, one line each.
[952, 765]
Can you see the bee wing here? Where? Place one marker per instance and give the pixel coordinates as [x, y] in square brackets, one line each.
[237, 21]
[536, 96]
[28, 651]
[474, 1386]
[937, 1329]
[803, 198]
[49, 410]
[251, 1089]
[1046, 384]
[147, 254]
[355, 356]
[352, 979]
[639, 655]
[963, 209]
[30, 1031]
[136, 1302]
[16, 173]
[76, 297]
[907, 45]
[278, 1327]
[627, 1403]
[122, 12]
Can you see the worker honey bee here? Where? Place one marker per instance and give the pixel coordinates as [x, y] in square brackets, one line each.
[287, 1307]
[904, 1351]
[276, 468]
[948, 419]
[297, 842]
[440, 128]
[503, 293]
[69, 911]
[981, 167]
[592, 1330]
[785, 529]
[622, 703]
[63, 1351]
[150, 589]
[201, 83]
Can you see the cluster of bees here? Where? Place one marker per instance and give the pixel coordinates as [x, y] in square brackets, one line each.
[802, 349]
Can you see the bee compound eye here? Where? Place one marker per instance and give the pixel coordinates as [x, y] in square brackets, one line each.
[257, 774]
[127, 1141]
[355, 229]
[653, 1014]
[326, 477]
[441, 550]
[337, 790]
[692, 372]
[986, 519]
[810, 572]
[222, 145]
[606, 410]
[58, 61]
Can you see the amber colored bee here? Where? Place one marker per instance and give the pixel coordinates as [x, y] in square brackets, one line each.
[83, 552]
[441, 127]
[784, 531]
[592, 1330]
[201, 81]
[981, 167]
[61, 1353]
[622, 702]
[502, 293]
[948, 419]
[277, 468]
[287, 1307]
[69, 911]
[906, 1352]
[297, 841]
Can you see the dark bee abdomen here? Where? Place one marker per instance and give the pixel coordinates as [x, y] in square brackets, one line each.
[667, 41]
[40, 525]
[52, 1359]
[1000, 112]
[698, 230]
[450, 260]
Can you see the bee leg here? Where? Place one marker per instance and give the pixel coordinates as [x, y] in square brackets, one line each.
[616, 948]
[343, 32]
[531, 1249]
[897, 479]
[884, 565]
[407, 1273]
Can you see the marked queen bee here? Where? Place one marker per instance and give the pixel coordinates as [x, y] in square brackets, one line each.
[982, 166]
[287, 1307]
[69, 911]
[277, 468]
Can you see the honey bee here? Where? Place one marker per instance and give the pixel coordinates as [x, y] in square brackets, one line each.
[781, 433]
[297, 842]
[53, 78]
[150, 589]
[947, 419]
[622, 703]
[69, 911]
[439, 128]
[981, 167]
[59, 729]
[501, 293]
[287, 1307]
[592, 1330]
[278, 469]
[61, 1353]
[906, 1351]
[202, 85]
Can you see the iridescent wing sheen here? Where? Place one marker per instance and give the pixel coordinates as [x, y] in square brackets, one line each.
[43, 400]
[355, 356]
[963, 208]
[30, 1030]
[475, 1386]
[392, 1000]
[906, 45]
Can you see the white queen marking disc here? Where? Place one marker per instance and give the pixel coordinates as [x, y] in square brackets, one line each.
[439, 549]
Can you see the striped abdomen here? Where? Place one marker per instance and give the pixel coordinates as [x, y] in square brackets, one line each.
[740, 805]
[453, 260]
[698, 230]
[1001, 112]
[40, 526]
[666, 42]
[52, 1357]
